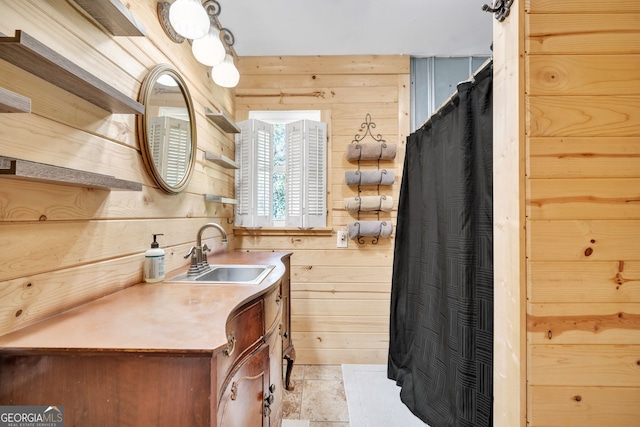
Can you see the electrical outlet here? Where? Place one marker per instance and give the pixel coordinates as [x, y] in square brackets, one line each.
[342, 239]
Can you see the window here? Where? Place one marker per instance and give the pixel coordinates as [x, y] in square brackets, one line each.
[281, 180]
[434, 79]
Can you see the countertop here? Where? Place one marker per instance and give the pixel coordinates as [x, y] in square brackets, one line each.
[151, 317]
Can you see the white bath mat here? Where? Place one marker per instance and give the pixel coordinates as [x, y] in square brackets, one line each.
[374, 400]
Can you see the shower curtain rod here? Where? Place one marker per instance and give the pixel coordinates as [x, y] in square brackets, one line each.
[455, 94]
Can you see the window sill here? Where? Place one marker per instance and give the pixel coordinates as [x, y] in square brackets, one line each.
[288, 231]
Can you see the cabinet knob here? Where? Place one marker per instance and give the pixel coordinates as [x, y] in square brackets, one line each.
[268, 401]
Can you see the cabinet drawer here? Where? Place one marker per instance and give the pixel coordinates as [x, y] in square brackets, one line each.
[242, 399]
[273, 310]
[245, 330]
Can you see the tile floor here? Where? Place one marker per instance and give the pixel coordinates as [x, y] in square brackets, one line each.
[318, 396]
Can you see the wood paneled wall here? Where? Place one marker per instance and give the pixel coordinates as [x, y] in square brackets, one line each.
[581, 174]
[509, 342]
[340, 297]
[61, 246]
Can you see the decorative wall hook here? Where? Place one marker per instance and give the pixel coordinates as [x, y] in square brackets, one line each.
[500, 9]
[367, 126]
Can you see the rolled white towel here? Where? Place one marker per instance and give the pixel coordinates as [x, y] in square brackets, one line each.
[368, 203]
[374, 177]
[369, 229]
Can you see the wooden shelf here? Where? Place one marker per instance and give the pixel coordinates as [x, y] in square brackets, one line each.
[11, 168]
[11, 102]
[221, 160]
[221, 120]
[114, 16]
[29, 54]
[210, 198]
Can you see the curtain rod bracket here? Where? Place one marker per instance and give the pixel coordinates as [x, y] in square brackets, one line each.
[500, 9]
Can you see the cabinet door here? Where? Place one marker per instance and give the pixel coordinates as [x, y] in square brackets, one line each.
[285, 287]
[288, 351]
[276, 385]
[243, 401]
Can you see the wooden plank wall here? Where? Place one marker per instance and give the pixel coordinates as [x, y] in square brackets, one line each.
[61, 246]
[509, 343]
[340, 297]
[583, 212]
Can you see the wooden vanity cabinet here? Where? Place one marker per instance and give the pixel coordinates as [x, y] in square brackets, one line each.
[239, 386]
[103, 388]
[155, 355]
[251, 367]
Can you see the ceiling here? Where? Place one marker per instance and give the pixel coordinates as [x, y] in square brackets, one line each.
[358, 27]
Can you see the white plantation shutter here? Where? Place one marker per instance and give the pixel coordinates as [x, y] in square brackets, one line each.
[305, 170]
[294, 167]
[253, 176]
[156, 135]
[306, 174]
[178, 148]
[243, 174]
[169, 140]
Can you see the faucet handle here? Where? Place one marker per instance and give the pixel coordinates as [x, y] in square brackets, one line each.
[191, 252]
[204, 264]
[194, 268]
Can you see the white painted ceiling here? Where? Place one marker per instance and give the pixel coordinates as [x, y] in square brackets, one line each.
[358, 27]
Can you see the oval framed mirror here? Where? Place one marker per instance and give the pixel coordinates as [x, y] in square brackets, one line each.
[167, 129]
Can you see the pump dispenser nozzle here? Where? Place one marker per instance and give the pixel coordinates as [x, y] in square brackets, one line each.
[155, 244]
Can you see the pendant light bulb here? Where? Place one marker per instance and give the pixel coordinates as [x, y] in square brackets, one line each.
[226, 74]
[209, 49]
[189, 19]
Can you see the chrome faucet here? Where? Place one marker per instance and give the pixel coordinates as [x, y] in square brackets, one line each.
[198, 253]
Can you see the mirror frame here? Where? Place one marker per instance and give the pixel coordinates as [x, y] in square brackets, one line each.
[143, 123]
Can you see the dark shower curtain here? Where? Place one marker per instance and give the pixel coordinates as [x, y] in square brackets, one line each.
[441, 326]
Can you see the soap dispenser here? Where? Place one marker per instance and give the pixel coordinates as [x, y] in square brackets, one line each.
[153, 270]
